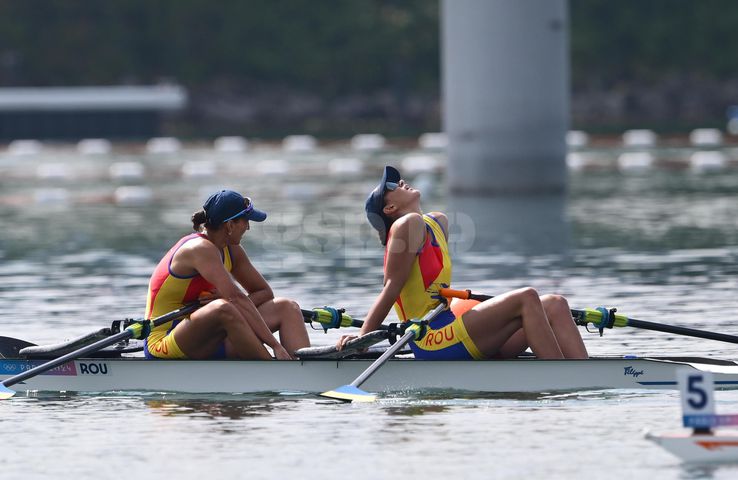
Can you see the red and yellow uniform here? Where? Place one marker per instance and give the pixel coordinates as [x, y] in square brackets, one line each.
[446, 337]
[169, 291]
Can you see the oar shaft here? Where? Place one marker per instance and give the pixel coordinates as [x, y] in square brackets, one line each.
[390, 352]
[621, 320]
[409, 335]
[690, 332]
[100, 344]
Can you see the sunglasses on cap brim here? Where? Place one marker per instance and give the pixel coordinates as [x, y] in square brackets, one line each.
[245, 211]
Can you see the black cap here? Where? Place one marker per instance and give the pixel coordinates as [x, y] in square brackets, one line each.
[375, 203]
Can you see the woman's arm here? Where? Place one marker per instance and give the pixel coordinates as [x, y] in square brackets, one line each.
[249, 277]
[408, 236]
[205, 258]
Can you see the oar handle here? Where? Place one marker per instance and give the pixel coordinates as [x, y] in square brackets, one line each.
[463, 294]
[325, 317]
[329, 317]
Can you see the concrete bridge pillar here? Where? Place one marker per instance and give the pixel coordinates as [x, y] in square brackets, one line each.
[505, 70]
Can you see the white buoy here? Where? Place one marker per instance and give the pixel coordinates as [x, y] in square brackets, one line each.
[433, 141]
[133, 196]
[127, 171]
[345, 166]
[301, 192]
[577, 139]
[272, 167]
[163, 145]
[299, 143]
[367, 141]
[420, 164]
[640, 138]
[705, 137]
[94, 146]
[51, 196]
[733, 126]
[635, 161]
[52, 171]
[230, 144]
[707, 161]
[199, 169]
[25, 147]
[576, 161]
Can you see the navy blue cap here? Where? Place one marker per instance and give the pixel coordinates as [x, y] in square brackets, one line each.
[375, 203]
[228, 205]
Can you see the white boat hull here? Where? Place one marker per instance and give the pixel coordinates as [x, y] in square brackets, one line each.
[234, 376]
[718, 448]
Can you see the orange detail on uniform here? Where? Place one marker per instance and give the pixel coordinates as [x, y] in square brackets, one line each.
[168, 291]
[430, 271]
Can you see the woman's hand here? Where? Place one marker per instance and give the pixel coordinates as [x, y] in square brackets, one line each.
[343, 341]
[280, 353]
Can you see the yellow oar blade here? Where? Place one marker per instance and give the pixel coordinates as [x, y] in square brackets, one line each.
[349, 393]
[5, 392]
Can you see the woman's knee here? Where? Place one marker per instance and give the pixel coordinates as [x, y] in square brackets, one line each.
[556, 303]
[287, 307]
[224, 311]
[527, 296]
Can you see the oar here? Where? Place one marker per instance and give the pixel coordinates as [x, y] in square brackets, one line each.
[9, 347]
[134, 331]
[352, 392]
[604, 318]
[329, 317]
[607, 318]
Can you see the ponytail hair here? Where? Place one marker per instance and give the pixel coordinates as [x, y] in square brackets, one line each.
[198, 220]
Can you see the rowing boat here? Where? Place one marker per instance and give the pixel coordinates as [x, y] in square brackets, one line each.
[702, 444]
[707, 448]
[125, 374]
[110, 364]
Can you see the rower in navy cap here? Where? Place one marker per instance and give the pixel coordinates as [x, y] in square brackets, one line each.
[244, 316]
[417, 264]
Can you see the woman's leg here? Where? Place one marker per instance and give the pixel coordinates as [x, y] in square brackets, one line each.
[566, 331]
[200, 336]
[492, 323]
[284, 315]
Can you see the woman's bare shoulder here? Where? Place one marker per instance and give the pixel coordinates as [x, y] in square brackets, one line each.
[442, 219]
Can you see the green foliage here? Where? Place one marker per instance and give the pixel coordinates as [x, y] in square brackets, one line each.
[646, 40]
[327, 47]
[335, 47]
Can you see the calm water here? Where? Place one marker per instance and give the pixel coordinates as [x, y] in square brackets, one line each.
[80, 242]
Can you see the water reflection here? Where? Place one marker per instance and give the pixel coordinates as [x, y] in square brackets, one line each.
[217, 408]
[414, 410]
[708, 471]
[527, 225]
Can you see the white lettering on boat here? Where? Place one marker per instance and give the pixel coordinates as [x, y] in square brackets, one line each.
[93, 368]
